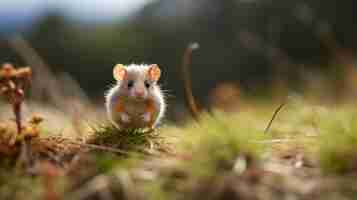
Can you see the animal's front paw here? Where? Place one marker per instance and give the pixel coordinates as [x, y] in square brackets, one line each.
[146, 117]
[124, 117]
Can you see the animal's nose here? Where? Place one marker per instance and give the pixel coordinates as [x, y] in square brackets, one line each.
[139, 93]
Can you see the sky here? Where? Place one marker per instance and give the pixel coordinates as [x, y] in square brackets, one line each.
[98, 10]
[20, 14]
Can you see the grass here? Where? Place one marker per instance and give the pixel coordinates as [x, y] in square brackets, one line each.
[338, 141]
[218, 145]
[309, 153]
[218, 141]
[128, 140]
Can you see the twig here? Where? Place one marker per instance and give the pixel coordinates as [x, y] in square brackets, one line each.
[113, 150]
[186, 77]
[17, 110]
[99, 147]
[273, 141]
[274, 116]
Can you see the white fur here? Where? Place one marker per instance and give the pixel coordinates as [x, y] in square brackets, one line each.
[134, 109]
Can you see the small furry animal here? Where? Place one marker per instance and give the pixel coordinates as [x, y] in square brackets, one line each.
[136, 101]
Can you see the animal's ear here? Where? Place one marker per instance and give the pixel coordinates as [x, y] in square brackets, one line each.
[154, 72]
[119, 72]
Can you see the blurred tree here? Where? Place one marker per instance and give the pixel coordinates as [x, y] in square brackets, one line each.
[286, 35]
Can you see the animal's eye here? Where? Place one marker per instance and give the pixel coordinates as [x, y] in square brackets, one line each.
[147, 84]
[130, 84]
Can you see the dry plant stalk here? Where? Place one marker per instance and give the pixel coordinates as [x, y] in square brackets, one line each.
[13, 83]
[276, 112]
[186, 77]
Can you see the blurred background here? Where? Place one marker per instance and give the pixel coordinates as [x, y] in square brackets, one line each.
[263, 49]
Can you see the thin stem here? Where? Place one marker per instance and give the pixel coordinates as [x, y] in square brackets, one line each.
[186, 76]
[274, 116]
[17, 111]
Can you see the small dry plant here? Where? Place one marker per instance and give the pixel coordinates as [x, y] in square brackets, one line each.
[13, 84]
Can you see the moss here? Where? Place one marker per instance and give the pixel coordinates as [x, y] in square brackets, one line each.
[209, 150]
[126, 140]
[338, 141]
[218, 141]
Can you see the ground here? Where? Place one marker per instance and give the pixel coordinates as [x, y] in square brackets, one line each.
[307, 153]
